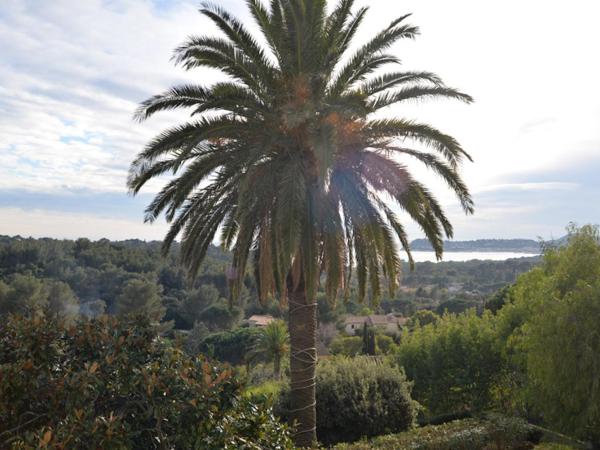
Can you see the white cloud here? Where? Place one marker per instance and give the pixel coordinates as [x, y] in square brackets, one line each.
[75, 73]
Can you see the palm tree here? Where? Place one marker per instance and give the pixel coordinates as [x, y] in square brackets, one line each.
[274, 344]
[286, 161]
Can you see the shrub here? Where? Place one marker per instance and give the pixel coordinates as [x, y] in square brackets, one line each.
[220, 316]
[110, 384]
[422, 317]
[454, 364]
[232, 347]
[498, 433]
[194, 337]
[347, 346]
[359, 397]
[140, 297]
[256, 374]
[385, 344]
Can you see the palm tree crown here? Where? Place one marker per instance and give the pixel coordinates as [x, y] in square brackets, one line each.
[286, 160]
[273, 343]
[294, 169]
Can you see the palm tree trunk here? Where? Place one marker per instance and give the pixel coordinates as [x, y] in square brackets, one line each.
[277, 367]
[303, 361]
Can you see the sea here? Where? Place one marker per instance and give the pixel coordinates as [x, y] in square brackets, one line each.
[420, 256]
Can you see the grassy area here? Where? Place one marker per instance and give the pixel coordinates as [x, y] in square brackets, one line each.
[268, 389]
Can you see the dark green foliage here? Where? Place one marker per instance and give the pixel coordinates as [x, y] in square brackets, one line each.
[458, 304]
[359, 397]
[498, 300]
[140, 297]
[271, 307]
[495, 433]
[114, 385]
[232, 347]
[197, 301]
[369, 344]
[90, 278]
[23, 294]
[454, 364]
[194, 337]
[93, 308]
[422, 317]
[220, 316]
[376, 343]
[62, 301]
[26, 294]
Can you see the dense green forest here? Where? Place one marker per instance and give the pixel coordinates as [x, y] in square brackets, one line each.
[95, 277]
[113, 277]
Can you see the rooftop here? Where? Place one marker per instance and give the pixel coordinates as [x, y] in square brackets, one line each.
[260, 321]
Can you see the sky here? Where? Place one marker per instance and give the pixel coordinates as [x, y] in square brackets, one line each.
[73, 71]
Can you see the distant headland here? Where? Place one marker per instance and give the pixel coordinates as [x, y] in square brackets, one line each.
[483, 245]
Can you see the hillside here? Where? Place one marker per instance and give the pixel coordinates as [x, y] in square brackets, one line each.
[96, 275]
[482, 245]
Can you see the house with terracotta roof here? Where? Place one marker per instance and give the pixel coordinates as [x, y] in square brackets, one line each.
[388, 323]
[354, 324]
[259, 320]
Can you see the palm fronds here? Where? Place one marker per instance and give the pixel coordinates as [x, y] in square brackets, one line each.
[283, 158]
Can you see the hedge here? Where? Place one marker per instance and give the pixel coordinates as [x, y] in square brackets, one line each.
[496, 433]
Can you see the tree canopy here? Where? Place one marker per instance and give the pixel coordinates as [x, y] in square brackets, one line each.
[553, 318]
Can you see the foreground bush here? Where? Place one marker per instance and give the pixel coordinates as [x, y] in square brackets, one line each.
[109, 384]
[470, 434]
[359, 397]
